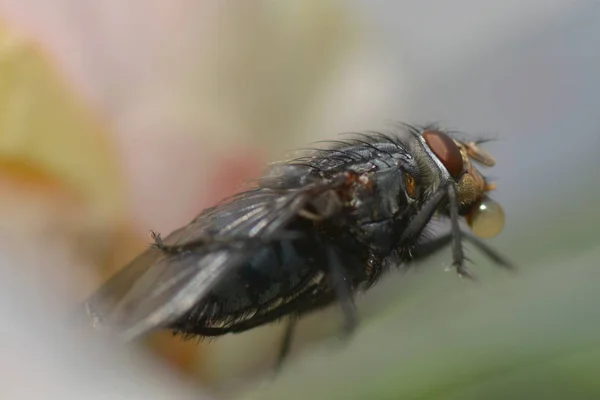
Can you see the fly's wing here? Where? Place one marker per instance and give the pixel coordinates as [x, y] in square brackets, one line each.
[164, 290]
[157, 288]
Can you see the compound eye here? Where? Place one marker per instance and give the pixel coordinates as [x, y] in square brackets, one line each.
[446, 151]
[486, 219]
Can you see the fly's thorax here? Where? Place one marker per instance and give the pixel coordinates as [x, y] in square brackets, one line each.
[378, 200]
[384, 195]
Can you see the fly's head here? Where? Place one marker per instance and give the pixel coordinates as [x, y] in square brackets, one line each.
[484, 216]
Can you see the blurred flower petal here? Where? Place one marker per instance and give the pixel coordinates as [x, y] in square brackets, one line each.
[46, 133]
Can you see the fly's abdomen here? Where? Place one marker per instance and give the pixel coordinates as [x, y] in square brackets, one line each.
[273, 278]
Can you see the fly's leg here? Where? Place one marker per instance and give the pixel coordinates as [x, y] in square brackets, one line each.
[286, 343]
[423, 217]
[454, 238]
[420, 221]
[159, 244]
[193, 244]
[458, 256]
[343, 291]
[431, 247]
[489, 252]
[157, 239]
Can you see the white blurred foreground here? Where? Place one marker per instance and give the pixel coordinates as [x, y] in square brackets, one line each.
[45, 358]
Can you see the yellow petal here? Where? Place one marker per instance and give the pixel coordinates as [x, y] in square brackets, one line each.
[48, 135]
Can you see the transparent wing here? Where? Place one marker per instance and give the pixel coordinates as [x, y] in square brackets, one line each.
[157, 288]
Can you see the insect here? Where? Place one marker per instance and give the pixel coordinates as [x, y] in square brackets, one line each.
[311, 232]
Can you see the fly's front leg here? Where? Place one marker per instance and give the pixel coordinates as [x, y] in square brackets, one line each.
[458, 256]
[433, 246]
[420, 221]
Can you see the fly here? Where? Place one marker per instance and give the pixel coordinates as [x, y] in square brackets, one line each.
[313, 231]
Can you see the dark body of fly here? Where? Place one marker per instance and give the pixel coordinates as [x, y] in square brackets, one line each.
[313, 231]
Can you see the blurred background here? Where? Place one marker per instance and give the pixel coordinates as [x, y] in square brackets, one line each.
[117, 117]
